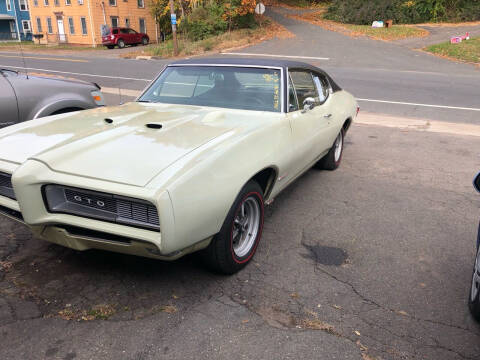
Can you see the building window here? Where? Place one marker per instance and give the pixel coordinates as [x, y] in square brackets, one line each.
[112, 2]
[23, 5]
[46, 3]
[26, 26]
[127, 22]
[114, 21]
[68, 2]
[142, 27]
[35, 3]
[57, 2]
[84, 25]
[9, 5]
[80, 2]
[71, 26]
[141, 3]
[49, 25]
[39, 25]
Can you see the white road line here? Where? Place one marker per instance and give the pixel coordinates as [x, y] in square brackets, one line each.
[72, 73]
[424, 105]
[279, 56]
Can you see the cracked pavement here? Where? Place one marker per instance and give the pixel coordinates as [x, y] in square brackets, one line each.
[372, 261]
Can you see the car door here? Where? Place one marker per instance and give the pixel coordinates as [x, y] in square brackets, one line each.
[308, 119]
[125, 36]
[135, 36]
[8, 100]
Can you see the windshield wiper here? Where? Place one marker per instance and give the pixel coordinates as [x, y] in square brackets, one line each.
[144, 101]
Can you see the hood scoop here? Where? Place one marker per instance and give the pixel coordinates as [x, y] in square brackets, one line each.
[155, 126]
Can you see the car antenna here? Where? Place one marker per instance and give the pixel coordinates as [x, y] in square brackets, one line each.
[23, 59]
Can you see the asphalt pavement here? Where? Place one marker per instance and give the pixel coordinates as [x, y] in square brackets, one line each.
[371, 261]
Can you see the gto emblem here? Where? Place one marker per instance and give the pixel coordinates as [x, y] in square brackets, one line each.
[99, 203]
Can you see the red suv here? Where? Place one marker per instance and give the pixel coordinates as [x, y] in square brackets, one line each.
[123, 36]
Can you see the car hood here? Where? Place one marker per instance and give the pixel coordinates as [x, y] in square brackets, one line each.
[127, 144]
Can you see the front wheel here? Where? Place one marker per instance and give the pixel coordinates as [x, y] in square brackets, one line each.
[332, 160]
[234, 246]
[474, 296]
[121, 44]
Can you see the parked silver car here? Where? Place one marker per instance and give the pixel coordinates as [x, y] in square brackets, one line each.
[25, 97]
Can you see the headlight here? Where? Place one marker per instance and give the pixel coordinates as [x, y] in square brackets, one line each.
[98, 98]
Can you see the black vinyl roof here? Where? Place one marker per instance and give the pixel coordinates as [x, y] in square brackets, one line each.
[261, 62]
[248, 61]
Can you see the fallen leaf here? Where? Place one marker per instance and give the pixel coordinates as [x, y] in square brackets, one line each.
[168, 309]
[401, 312]
[357, 332]
[337, 307]
[245, 321]
[295, 295]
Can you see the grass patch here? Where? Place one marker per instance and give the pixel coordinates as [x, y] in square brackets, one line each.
[30, 45]
[387, 34]
[468, 51]
[233, 39]
[97, 312]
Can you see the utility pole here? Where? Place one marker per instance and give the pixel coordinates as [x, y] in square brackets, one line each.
[173, 17]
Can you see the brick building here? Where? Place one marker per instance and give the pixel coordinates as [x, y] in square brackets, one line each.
[80, 21]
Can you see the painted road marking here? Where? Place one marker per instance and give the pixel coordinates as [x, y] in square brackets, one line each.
[424, 105]
[279, 56]
[366, 118]
[43, 58]
[72, 73]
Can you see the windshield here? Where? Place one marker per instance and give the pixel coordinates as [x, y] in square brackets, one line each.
[219, 86]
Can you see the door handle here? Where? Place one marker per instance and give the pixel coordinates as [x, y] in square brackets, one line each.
[327, 116]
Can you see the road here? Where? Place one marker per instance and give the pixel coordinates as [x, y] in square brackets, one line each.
[372, 261]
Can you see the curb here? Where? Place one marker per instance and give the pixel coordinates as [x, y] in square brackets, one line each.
[147, 57]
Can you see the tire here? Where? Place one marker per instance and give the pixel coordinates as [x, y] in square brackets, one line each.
[234, 246]
[474, 294]
[144, 41]
[110, 46]
[121, 44]
[332, 160]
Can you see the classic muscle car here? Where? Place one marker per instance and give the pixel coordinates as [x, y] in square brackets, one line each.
[186, 167]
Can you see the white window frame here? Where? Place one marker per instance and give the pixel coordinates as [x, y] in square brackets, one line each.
[39, 24]
[49, 25]
[68, 2]
[56, 2]
[29, 26]
[110, 2]
[70, 26]
[81, 24]
[80, 2]
[141, 7]
[9, 4]
[144, 25]
[25, 4]
[46, 3]
[111, 21]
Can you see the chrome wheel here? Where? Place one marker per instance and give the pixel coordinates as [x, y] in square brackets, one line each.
[475, 278]
[246, 225]
[338, 147]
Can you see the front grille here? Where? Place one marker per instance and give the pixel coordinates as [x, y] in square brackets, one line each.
[6, 187]
[102, 206]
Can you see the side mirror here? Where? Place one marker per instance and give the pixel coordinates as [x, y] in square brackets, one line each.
[476, 182]
[308, 103]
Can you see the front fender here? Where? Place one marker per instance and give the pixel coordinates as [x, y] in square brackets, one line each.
[50, 106]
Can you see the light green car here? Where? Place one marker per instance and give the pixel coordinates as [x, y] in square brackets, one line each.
[186, 167]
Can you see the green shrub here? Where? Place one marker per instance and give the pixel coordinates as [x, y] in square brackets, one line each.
[204, 22]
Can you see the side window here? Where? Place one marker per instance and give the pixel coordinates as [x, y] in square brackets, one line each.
[323, 87]
[304, 86]
[292, 98]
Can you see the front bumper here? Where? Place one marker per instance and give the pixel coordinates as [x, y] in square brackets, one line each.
[81, 233]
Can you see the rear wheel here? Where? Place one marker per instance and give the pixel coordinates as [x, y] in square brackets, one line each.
[121, 44]
[234, 246]
[474, 296]
[332, 160]
[144, 41]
